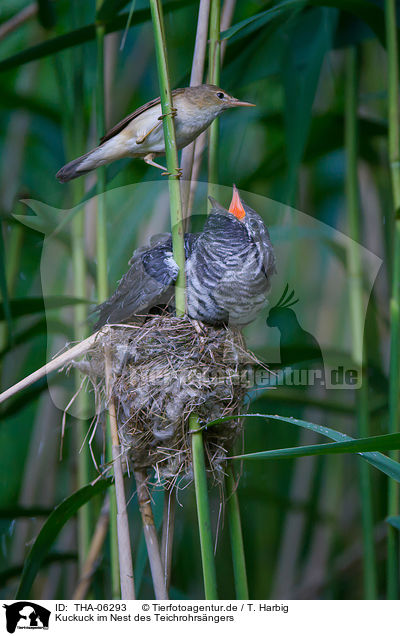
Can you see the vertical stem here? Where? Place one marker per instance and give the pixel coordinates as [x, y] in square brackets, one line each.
[80, 331]
[150, 535]
[235, 532]
[203, 512]
[171, 153]
[357, 315]
[168, 532]
[196, 78]
[101, 226]
[394, 368]
[124, 543]
[75, 144]
[102, 279]
[213, 78]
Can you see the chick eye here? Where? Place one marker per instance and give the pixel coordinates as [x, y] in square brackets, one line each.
[220, 95]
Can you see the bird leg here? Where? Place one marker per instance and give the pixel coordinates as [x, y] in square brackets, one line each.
[149, 160]
[141, 139]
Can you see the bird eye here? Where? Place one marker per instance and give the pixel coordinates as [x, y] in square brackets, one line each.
[220, 95]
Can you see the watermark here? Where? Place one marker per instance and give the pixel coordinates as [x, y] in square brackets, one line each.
[251, 377]
[26, 615]
[303, 334]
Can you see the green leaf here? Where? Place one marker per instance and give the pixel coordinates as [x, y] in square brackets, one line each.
[384, 464]
[46, 13]
[313, 34]
[394, 521]
[258, 20]
[368, 12]
[16, 512]
[34, 305]
[80, 36]
[54, 557]
[6, 304]
[109, 8]
[51, 529]
[390, 441]
[38, 328]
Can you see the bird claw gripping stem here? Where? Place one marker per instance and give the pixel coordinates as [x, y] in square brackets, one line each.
[177, 174]
[173, 112]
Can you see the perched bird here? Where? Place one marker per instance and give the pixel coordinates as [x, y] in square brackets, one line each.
[228, 269]
[141, 133]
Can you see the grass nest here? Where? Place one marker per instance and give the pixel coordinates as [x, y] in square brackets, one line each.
[158, 374]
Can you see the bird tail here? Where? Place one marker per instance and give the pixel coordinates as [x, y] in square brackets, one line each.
[79, 167]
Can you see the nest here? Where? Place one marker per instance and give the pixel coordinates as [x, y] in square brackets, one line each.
[158, 374]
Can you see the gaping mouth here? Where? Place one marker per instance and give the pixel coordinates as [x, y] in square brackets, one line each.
[236, 208]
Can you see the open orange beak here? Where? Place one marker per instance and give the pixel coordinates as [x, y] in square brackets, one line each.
[236, 208]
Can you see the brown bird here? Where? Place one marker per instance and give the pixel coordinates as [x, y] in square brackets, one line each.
[141, 133]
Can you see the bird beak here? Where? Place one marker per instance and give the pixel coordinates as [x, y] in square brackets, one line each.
[236, 208]
[237, 102]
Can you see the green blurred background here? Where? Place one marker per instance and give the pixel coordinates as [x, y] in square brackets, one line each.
[301, 518]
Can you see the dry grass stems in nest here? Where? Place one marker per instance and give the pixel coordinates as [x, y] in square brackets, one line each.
[162, 371]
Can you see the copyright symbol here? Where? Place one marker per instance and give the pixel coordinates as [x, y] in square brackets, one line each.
[145, 607]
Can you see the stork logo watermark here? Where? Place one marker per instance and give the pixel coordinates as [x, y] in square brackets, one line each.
[26, 615]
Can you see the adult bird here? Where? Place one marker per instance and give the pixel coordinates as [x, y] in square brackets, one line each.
[141, 133]
[228, 270]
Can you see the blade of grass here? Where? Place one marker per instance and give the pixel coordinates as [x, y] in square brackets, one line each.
[394, 366]
[394, 521]
[236, 536]
[51, 529]
[81, 35]
[203, 512]
[386, 442]
[382, 463]
[357, 316]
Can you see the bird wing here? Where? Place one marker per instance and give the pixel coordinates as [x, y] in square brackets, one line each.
[148, 283]
[124, 122]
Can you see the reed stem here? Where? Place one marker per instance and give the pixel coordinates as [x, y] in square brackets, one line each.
[150, 535]
[394, 365]
[236, 536]
[214, 69]
[102, 279]
[171, 154]
[357, 315]
[203, 511]
[124, 543]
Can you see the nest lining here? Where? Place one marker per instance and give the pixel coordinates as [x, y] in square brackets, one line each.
[159, 373]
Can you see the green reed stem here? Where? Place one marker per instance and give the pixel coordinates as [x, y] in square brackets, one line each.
[203, 510]
[171, 153]
[80, 331]
[357, 315]
[236, 536]
[394, 367]
[214, 70]
[102, 283]
[75, 145]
